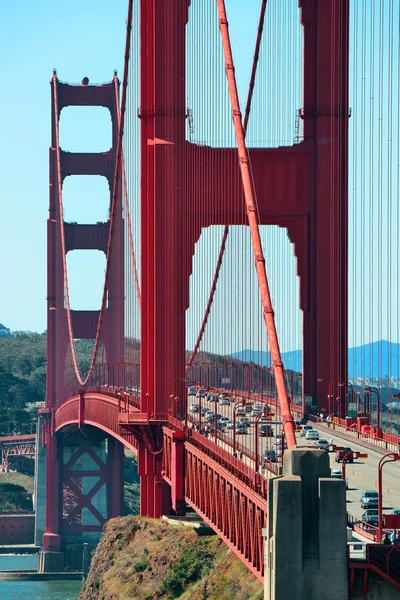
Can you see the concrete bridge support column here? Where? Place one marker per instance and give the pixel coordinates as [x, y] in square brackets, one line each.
[40, 485]
[306, 545]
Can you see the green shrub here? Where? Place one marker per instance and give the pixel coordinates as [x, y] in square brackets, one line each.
[14, 497]
[142, 564]
[192, 566]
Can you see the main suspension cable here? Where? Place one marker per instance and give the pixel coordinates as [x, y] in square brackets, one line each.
[250, 199]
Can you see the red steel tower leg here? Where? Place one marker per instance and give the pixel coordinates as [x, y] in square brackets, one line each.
[78, 237]
[162, 114]
[326, 114]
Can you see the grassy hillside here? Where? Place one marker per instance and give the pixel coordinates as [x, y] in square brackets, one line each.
[23, 378]
[142, 559]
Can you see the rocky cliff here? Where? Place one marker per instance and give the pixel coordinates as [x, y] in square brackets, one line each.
[142, 559]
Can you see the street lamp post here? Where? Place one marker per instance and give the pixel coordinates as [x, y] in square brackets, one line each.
[358, 400]
[319, 380]
[375, 390]
[339, 406]
[347, 385]
[240, 402]
[344, 461]
[391, 457]
[303, 408]
[256, 422]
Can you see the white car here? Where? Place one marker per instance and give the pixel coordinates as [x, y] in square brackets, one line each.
[305, 429]
[312, 434]
[191, 390]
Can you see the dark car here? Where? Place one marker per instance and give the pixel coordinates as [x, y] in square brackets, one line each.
[269, 456]
[213, 426]
[241, 428]
[213, 417]
[265, 430]
[370, 516]
[323, 444]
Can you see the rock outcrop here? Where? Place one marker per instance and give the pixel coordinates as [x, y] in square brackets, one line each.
[141, 559]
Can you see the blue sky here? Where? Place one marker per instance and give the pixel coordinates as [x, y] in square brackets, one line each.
[87, 38]
[79, 38]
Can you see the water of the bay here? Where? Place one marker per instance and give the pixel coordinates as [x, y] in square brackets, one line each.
[33, 590]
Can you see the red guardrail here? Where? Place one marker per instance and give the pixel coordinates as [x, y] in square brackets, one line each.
[380, 444]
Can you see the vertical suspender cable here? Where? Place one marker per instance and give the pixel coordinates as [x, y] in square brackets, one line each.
[249, 194]
[83, 381]
[226, 228]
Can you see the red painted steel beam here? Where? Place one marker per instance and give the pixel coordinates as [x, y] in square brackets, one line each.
[234, 511]
[101, 411]
[162, 113]
[325, 116]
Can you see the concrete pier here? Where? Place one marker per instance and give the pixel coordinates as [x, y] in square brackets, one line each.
[306, 545]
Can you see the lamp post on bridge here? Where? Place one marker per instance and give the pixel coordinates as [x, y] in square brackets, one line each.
[397, 396]
[344, 461]
[358, 400]
[390, 457]
[303, 410]
[339, 406]
[374, 390]
[256, 422]
[239, 403]
[347, 385]
[319, 380]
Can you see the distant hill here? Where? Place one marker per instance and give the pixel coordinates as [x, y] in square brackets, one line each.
[292, 360]
[4, 332]
[378, 359]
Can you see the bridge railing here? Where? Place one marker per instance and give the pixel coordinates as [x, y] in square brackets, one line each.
[387, 442]
[386, 559]
[122, 377]
[245, 473]
[239, 449]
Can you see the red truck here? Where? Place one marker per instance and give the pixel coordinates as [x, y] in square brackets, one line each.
[340, 454]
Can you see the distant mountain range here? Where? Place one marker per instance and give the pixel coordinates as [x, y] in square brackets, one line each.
[4, 332]
[378, 359]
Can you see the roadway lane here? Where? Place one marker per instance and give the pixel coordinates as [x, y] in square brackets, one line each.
[247, 440]
[362, 474]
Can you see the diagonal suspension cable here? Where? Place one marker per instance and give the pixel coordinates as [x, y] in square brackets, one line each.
[83, 381]
[250, 200]
[226, 227]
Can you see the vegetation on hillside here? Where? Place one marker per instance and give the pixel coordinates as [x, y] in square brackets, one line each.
[23, 378]
[14, 498]
[141, 559]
